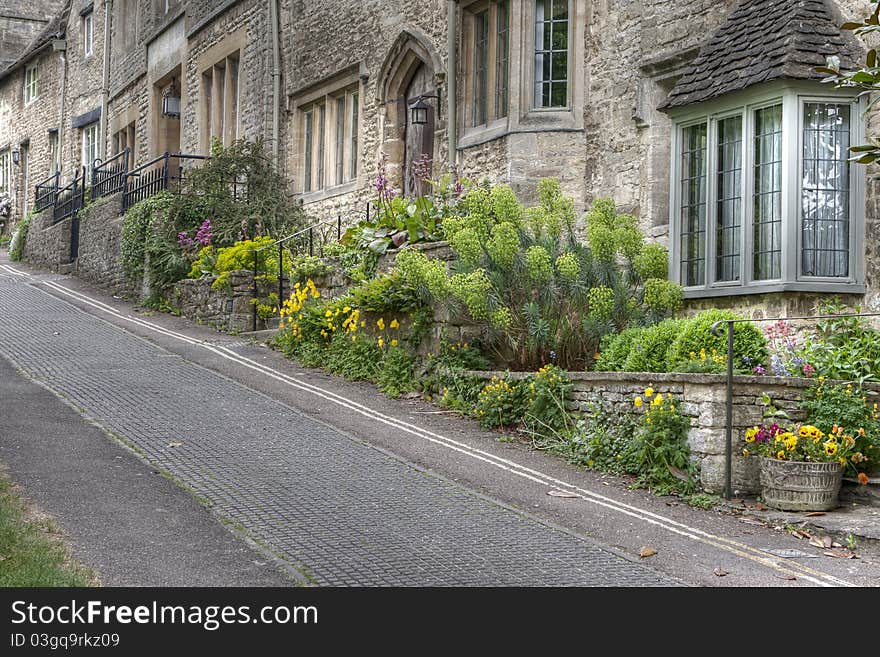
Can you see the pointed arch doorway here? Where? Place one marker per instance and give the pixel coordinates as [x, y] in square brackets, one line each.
[409, 72]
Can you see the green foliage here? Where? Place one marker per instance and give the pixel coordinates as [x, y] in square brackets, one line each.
[501, 403]
[541, 295]
[648, 347]
[397, 221]
[396, 374]
[610, 234]
[652, 262]
[696, 335]
[383, 294]
[19, 238]
[852, 407]
[304, 267]
[662, 450]
[602, 441]
[615, 348]
[357, 359]
[845, 348]
[547, 399]
[32, 554]
[137, 230]
[663, 296]
[240, 256]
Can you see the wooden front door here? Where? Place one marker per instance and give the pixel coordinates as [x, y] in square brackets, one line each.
[419, 138]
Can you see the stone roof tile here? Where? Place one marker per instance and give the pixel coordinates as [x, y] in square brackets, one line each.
[765, 40]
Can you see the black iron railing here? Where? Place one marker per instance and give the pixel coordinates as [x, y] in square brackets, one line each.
[298, 243]
[71, 198]
[108, 177]
[163, 173]
[46, 191]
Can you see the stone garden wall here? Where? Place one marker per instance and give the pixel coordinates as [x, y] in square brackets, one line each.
[703, 399]
[228, 309]
[100, 245]
[48, 244]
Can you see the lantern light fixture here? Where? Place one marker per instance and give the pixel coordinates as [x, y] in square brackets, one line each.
[171, 101]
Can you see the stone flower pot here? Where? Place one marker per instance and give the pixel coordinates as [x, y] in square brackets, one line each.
[800, 485]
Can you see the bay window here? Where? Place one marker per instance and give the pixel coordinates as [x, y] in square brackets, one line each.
[764, 197]
[329, 128]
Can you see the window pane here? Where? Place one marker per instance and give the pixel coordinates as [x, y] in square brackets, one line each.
[551, 53]
[308, 141]
[729, 200]
[825, 190]
[501, 60]
[319, 179]
[481, 66]
[339, 140]
[352, 174]
[693, 206]
[767, 197]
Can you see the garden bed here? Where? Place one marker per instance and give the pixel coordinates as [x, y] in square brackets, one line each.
[703, 399]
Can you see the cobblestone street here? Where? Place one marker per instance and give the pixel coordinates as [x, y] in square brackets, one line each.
[342, 513]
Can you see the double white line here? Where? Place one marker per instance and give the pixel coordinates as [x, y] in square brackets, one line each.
[756, 555]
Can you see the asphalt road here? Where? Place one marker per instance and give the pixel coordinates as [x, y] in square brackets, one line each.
[348, 487]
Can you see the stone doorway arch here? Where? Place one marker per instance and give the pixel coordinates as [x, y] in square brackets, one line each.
[411, 69]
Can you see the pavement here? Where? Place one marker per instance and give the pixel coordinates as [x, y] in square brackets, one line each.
[348, 487]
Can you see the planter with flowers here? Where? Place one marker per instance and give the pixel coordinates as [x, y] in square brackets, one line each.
[801, 466]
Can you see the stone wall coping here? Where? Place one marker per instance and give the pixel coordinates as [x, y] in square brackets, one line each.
[654, 378]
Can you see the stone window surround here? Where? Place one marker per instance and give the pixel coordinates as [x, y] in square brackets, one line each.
[89, 135]
[6, 171]
[522, 116]
[347, 81]
[232, 45]
[792, 95]
[495, 116]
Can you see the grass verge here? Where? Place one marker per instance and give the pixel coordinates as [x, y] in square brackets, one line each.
[32, 552]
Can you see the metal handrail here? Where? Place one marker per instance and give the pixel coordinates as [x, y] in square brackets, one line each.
[108, 177]
[717, 330]
[70, 199]
[45, 199]
[155, 179]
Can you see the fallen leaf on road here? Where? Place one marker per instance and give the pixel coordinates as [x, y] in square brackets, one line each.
[720, 572]
[827, 540]
[646, 552]
[814, 514]
[840, 554]
[561, 493]
[790, 578]
[761, 507]
[175, 444]
[749, 521]
[818, 541]
[672, 503]
[835, 544]
[797, 533]
[412, 395]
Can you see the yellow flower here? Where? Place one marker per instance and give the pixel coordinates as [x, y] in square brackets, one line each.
[394, 343]
[346, 309]
[395, 324]
[381, 324]
[381, 343]
[780, 455]
[649, 392]
[745, 452]
[842, 461]
[637, 402]
[831, 448]
[328, 313]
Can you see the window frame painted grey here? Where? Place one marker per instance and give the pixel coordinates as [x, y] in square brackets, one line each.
[793, 96]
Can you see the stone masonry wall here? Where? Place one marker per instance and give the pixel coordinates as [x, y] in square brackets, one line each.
[48, 244]
[227, 310]
[702, 398]
[100, 243]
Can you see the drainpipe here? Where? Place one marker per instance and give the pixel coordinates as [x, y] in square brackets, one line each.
[276, 80]
[451, 66]
[105, 87]
[61, 47]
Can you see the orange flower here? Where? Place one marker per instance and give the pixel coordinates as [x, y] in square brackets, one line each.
[863, 479]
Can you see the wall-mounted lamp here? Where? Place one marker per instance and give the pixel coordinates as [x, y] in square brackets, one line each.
[171, 101]
[16, 156]
[419, 110]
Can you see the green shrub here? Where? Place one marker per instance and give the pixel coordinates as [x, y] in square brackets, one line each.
[501, 403]
[19, 239]
[647, 350]
[547, 400]
[615, 348]
[749, 343]
[241, 256]
[304, 267]
[357, 358]
[652, 262]
[602, 441]
[383, 294]
[662, 449]
[845, 348]
[396, 374]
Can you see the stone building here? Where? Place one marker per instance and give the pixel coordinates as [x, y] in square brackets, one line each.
[703, 118]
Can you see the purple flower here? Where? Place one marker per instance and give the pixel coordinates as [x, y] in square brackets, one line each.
[809, 370]
[184, 240]
[759, 370]
[552, 355]
[205, 234]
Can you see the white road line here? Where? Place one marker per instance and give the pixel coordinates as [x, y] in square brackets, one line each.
[14, 272]
[742, 550]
